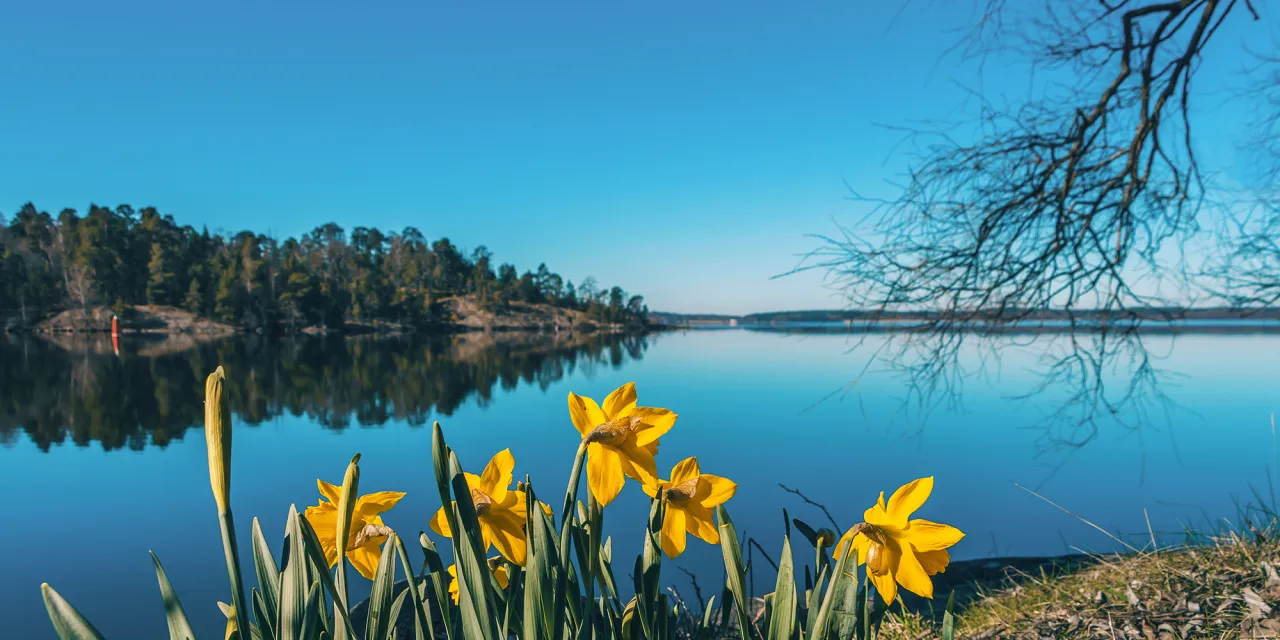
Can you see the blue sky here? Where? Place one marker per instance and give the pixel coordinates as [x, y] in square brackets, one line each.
[680, 150]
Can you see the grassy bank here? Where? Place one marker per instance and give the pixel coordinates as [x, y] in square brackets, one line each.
[1225, 586]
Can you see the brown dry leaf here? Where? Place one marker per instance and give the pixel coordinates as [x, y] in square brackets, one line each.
[1273, 577]
[1132, 597]
[1258, 608]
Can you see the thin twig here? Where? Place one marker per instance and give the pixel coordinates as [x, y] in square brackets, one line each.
[697, 591]
[816, 504]
[752, 541]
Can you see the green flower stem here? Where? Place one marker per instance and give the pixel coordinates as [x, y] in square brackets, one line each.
[570, 502]
[232, 553]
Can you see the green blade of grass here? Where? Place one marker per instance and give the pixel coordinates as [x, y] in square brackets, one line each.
[179, 628]
[67, 622]
[735, 574]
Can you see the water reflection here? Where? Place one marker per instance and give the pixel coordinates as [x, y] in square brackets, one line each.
[79, 390]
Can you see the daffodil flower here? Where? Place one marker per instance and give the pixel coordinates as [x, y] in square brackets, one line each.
[364, 543]
[495, 565]
[898, 550]
[621, 439]
[500, 509]
[691, 498]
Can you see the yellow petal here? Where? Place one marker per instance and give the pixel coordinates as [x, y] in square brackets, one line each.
[877, 515]
[604, 472]
[673, 530]
[375, 503]
[652, 488]
[638, 463]
[699, 521]
[497, 475]
[500, 572]
[440, 523]
[329, 491]
[911, 575]
[454, 590]
[621, 402]
[885, 586]
[684, 471]
[546, 508]
[933, 562]
[366, 556]
[585, 413]
[907, 499]
[231, 622]
[720, 490]
[654, 424]
[931, 536]
[505, 530]
[324, 519]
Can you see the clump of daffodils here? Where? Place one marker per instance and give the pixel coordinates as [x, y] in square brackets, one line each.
[546, 578]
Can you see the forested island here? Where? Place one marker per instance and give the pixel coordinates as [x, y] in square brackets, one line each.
[66, 272]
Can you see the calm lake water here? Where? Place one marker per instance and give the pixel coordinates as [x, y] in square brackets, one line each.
[102, 458]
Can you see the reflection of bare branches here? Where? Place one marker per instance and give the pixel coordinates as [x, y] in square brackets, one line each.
[1075, 199]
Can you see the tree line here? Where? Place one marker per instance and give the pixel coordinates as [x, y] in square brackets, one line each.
[83, 394]
[122, 256]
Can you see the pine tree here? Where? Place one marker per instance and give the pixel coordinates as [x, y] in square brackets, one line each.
[160, 284]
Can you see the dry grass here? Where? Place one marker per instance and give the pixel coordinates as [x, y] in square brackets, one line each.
[1228, 587]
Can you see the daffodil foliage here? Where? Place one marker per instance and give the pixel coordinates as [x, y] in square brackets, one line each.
[553, 575]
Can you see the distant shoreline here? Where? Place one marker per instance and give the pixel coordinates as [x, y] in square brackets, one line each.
[463, 317]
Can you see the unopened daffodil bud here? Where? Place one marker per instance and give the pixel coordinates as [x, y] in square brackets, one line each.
[217, 436]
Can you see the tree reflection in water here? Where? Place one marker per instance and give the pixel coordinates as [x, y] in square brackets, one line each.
[79, 390]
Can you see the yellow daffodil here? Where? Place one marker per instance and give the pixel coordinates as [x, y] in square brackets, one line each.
[367, 530]
[499, 508]
[495, 565]
[621, 438]
[691, 498]
[897, 550]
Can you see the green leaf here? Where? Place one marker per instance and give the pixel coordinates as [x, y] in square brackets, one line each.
[648, 579]
[310, 624]
[390, 631]
[706, 614]
[841, 580]
[422, 616]
[440, 454]
[264, 565]
[735, 574]
[263, 627]
[321, 567]
[949, 618]
[377, 623]
[67, 622]
[439, 581]
[179, 628]
[293, 582]
[540, 570]
[478, 621]
[813, 599]
[782, 624]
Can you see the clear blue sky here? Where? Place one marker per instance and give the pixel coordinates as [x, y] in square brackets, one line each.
[681, 150]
